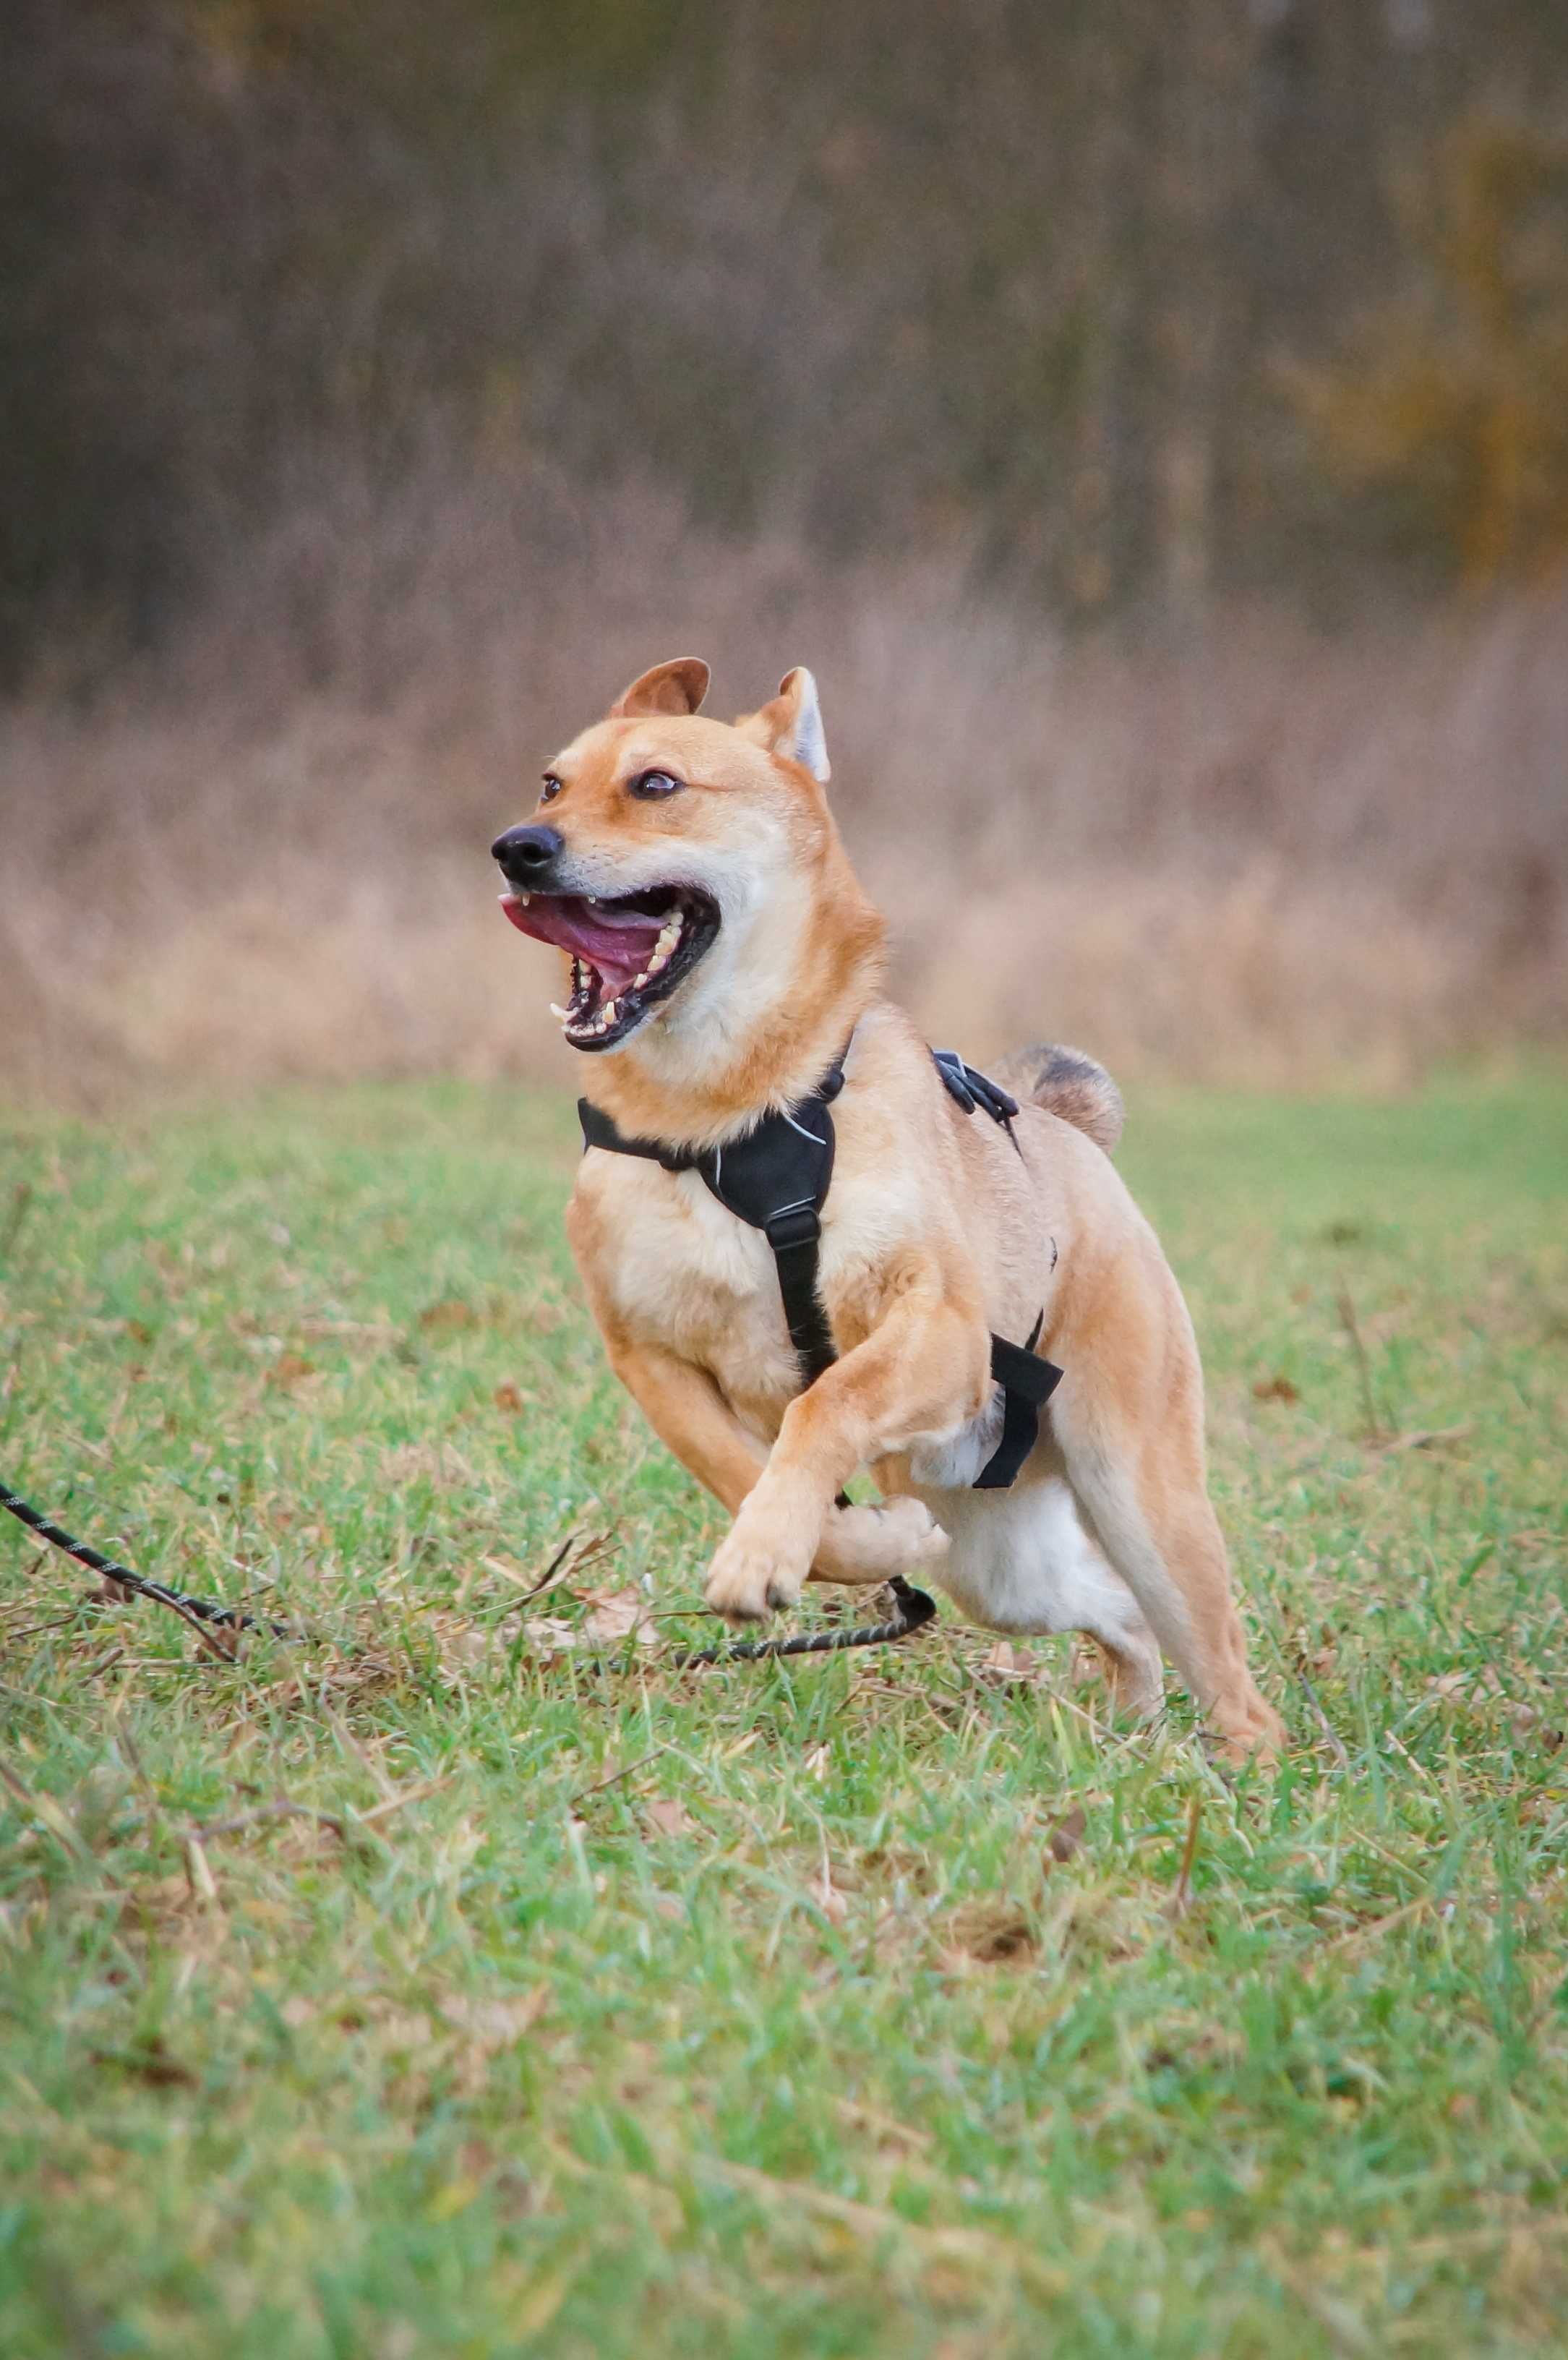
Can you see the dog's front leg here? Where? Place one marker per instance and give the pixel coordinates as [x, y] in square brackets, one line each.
[691, 1418]
[923, 1371]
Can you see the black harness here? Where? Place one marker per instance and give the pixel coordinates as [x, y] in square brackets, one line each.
[776, 1179]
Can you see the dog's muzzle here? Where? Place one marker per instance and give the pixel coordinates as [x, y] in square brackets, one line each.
[528, 855]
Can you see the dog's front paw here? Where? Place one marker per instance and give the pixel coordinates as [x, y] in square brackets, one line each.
[754, 1574]
[871, 1544]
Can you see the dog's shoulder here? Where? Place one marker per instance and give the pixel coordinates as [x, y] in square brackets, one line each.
[899, 1127]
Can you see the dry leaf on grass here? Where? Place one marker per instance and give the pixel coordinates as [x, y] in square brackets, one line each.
[615, 1615]
[405, 1462]
[668, 1815]
[827, 1897]
[1066, 1835]
[612, 1615]
[450, 1313]
[543, 1635]
[151, 2063]
[461, 1650]
[497, 2023]
[1276, 1388]
[398, 2030]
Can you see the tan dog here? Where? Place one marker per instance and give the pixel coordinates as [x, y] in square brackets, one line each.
[721, 954]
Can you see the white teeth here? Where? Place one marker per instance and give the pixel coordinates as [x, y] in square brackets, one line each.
[664, 949]
[591, 899]
[607, 1014]
[637, 982]
[562, 1014]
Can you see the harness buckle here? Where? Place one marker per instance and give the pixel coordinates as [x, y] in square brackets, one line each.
[793, 1225]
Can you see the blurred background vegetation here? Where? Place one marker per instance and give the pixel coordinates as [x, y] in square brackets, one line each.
[1151, 420]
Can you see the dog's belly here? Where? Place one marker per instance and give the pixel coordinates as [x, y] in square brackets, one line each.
[1020, 1561]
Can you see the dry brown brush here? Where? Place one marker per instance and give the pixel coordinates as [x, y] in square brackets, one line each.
[1256, 854]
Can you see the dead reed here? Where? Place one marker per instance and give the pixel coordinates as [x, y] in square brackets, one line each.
[1263, 854]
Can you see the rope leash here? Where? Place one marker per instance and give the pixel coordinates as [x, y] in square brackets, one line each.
[915, 1609]
[203, 1609]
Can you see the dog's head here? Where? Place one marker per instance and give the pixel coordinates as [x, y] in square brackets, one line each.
[677, 861]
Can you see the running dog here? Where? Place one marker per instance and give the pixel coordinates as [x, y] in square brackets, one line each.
[722, 960]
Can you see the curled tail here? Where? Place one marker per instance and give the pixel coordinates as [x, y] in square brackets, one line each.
[1066, 1083]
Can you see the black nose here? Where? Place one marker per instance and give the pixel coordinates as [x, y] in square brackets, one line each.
[525, 852]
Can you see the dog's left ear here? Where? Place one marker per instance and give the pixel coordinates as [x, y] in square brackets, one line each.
[791, 724]
[677, 687]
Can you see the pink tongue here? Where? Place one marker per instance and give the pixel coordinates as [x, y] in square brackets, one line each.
[619, 946]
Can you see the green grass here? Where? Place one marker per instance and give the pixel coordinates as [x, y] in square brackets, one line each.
[754, 2011]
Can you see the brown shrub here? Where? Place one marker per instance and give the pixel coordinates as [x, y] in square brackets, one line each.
[1259, 854]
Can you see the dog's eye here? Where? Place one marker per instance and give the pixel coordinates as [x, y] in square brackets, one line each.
[551, 788]
[653, 783]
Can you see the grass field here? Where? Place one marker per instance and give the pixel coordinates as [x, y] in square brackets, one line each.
[886, 2004]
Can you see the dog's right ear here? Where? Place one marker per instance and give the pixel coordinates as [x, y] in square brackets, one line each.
[677, 687]
[791, 724]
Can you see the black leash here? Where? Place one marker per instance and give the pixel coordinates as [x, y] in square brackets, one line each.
[776, 1179]
[915, 1609]
[202, 1610]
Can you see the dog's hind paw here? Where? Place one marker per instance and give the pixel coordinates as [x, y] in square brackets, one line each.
[1248, 1730]
[872, 1543]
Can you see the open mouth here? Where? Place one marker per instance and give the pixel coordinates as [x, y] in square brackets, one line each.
[626, 954]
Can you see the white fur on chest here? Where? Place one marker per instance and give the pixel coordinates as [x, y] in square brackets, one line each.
[689, 1277]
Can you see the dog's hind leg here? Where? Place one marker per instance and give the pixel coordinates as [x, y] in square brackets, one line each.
[1095, 1600]
[1127, 1419]
[1022, 1563]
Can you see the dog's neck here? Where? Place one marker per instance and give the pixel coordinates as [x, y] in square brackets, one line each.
[696, 1083]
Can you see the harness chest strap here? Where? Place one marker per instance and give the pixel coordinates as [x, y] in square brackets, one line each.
[776, 1179]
